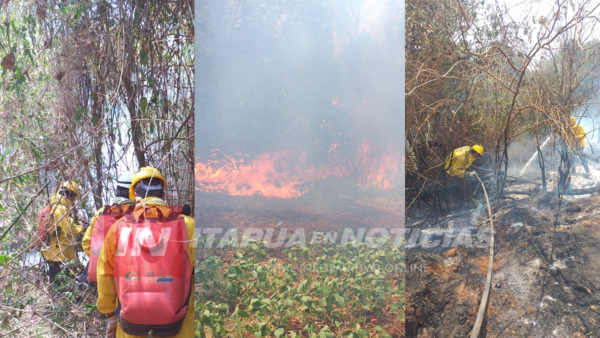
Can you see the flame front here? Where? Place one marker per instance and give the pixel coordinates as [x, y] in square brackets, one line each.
[378, 168]
[285, 174]
[271, 175]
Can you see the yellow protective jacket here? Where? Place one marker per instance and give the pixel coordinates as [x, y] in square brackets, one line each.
[62, 247]
[107, 293]
[458, 161]
[577, 136]
[87, 238]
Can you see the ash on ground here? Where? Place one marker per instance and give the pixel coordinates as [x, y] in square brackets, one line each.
[546, 275]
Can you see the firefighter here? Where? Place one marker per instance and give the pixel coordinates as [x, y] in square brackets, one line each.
[121, 199]
[63, 228]
[567, 147]
[457, 163]
[578, 143]
[148, 190]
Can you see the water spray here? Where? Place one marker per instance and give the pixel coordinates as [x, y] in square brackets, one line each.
[534, 156]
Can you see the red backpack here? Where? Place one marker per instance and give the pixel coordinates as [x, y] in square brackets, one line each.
[108, 217]
[152, 274]
[43, 231]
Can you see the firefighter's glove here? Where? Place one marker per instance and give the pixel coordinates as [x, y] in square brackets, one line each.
[471, 174]
[111, 326]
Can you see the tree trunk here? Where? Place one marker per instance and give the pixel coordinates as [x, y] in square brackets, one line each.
[541, 161]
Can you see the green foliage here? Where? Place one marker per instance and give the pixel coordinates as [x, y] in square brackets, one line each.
[339, 288]
[67, 105]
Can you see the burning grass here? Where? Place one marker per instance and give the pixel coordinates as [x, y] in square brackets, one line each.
[290, 174]
[301, 291]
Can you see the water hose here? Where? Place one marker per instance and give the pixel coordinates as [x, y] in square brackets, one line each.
[488, 278]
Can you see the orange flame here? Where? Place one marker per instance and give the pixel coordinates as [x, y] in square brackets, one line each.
[284, 174]
[376, 170]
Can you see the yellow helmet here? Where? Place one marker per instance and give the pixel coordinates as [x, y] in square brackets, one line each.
[573, 120]
[145, 172]
[71, 186]
[478, 148]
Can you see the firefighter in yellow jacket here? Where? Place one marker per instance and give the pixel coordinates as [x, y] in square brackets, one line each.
[457, 163]
[121, 199]
[61, 247]
[568, 146]
[578, 142]
[147, 188]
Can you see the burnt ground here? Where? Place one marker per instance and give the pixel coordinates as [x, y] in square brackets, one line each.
[329, 205]
[546, 278]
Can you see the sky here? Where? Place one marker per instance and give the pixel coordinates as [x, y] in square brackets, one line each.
[521, 10]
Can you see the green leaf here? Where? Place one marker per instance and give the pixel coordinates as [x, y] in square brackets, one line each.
[143, 56]
[143, 104]
[279, 332]
[339, 301]
[90, 308]
[302, 286]
[79, 113]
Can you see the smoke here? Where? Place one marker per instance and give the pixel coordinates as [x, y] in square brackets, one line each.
[299, 75]
[522, 151]
[591, 127]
